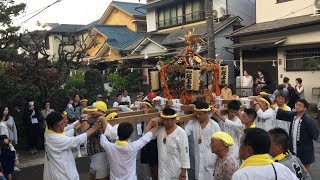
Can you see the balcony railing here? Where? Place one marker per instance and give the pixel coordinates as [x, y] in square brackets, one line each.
[179, 20]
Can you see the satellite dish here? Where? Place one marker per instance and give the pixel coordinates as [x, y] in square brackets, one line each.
[317, 4]
[215, 14]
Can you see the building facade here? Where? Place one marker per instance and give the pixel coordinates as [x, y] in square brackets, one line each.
[283, 44]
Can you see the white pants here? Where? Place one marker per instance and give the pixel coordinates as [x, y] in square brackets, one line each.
[99, 165]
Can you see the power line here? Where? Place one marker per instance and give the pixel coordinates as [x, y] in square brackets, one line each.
[296, 11]
[46, 7]
[236, 9]
[252, 2]
[28, 14]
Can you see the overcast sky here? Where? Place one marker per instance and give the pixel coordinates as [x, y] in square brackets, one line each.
[64, 12]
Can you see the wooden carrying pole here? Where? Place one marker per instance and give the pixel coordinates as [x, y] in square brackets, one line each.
[146, 118]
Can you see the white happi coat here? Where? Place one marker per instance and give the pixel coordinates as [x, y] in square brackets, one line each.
[265, 172]
[59, 162]
[234, 128]
[266, 120]
[204, 158]
[174, 154]
[283, 124]
[123, 158]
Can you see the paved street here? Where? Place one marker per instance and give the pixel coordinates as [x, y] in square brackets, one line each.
[35, 171]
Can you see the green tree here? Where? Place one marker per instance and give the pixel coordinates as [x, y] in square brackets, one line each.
[125, 80]
[75, 85]
[93, 83]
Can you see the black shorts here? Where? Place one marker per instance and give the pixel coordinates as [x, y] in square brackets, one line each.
[149, 153]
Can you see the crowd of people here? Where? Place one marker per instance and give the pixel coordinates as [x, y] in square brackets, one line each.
[269, 140]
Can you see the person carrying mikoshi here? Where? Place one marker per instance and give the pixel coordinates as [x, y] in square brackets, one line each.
[149, 153]
[226, 163]
[266, 115]
[122, 154]
[173, 147]
[201, 130]
[235, 129]
[59, 162]
[99, 163]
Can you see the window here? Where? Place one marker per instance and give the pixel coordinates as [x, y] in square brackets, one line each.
[302, 59]
[181, 13]
[168, 16]
[194, 10]
[281, 1]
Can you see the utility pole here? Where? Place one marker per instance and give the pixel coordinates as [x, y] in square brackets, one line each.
[210, 29]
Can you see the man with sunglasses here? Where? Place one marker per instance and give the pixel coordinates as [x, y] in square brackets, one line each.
[173, 147]
[201, 130]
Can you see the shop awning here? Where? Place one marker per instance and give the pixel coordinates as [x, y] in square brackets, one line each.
[268, 42]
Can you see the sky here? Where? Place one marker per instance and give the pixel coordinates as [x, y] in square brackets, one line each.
[63, 12]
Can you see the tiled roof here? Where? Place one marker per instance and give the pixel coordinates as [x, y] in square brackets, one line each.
[88, 26]
[282, 24]
[72, 28]
[130, 8]
[66, 28]
[119, 36]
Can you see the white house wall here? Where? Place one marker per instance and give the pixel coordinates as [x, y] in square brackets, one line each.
[151, 20]
[310, 79]
[54, 45]
[269, 10]
[152, 48]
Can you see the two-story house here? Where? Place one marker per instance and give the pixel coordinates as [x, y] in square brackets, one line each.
[284, 42]
[120, 25]
[168, 20]
[69, 34]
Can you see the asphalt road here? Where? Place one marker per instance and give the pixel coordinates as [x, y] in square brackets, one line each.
[35, 172]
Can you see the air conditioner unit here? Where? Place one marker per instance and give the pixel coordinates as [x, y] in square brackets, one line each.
[316, 7]
[218, 13]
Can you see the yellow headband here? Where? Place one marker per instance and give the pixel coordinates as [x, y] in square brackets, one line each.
[264, 100]
[169, 116]
[203, 110]
[64, 113]
[146, 103]
[84, 100]
[111, 115]
[264, 94]
[225, 137]
[90, 109]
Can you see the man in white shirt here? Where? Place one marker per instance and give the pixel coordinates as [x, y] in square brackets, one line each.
[173, 148]
[59, 162]
[266, 115]
[257, 164]
[233, 125]
[247, 83]
[118, 101]
[201, 130]
[125, 97]
[122, 154]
